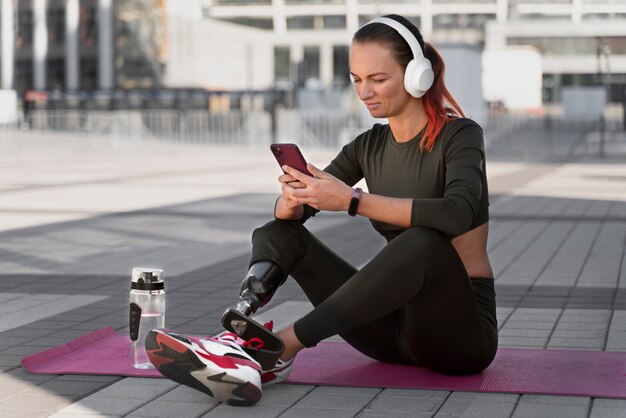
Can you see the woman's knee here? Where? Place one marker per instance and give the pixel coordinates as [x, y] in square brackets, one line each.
[278, 228]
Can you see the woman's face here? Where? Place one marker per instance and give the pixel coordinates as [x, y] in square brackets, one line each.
[378, 79]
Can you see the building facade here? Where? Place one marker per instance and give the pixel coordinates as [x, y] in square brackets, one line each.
[73, 45]
[582, 42]
[78, 45]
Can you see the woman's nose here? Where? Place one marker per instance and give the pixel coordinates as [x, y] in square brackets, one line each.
[364, 91]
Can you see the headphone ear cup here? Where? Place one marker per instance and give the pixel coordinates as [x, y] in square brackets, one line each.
[418, 77]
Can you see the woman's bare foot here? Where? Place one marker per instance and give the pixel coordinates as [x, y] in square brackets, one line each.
[292, 344]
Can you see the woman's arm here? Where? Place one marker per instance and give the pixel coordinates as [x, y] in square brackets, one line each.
[391, 210]
[282, 211]
[451, 214]
[326, 192]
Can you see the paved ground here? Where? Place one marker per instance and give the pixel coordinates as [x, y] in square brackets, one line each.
[79, 213]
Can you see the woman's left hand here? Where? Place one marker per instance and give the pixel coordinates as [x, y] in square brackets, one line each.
[323, 191]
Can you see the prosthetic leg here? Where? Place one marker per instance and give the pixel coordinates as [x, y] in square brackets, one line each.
[258, 287]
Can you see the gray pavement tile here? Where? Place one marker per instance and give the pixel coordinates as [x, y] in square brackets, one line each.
[414, 393]
[20, 350]
[406, 404]
[393, 414]
[476, 408]
[532, 333]
[78, 389]
[88, 378]
[168, 409]
[607, 413]
[37, 399]
[329, 401]
[11, 360]
[521, 342]
[342, 390]
[609, 403]
[284, 395]
[522, 325]
[24, 375]
[480, 396]
[579, 401]
[10, 413]
[113, 406]
[137, 388]
[576, 343]
[549, 411]
[317, 412]
[26, 332]
[94, 414]
[225, 411]
[608, 408]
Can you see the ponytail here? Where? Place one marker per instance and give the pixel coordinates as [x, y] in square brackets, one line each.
[439, 104]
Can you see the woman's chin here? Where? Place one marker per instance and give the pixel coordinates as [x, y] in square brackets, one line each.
[378, 114]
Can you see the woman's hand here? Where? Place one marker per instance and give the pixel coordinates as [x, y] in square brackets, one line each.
[288, 182]
[322, 192]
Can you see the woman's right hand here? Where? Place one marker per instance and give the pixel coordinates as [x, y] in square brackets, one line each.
[287, 207]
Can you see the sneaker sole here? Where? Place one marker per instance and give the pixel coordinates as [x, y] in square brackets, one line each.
[176, 361]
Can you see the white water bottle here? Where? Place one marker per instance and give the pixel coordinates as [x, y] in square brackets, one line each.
[147, 311]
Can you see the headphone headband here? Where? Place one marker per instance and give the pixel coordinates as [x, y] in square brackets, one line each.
[418, 75]
[403, 31]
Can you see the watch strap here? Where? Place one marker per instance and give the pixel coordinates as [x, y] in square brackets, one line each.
[354, 201]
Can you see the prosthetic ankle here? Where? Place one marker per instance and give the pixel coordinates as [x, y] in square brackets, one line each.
[260, 284]
[257, 288]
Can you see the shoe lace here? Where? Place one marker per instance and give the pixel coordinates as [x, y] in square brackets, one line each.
[254, 342]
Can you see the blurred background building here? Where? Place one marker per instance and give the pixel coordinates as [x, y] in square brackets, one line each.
[85, 45]
[521, 56]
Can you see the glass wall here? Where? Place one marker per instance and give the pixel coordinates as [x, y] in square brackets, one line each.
[571, 46]
[241, 2]
[461, 21]
[255, 22]
[316, 22]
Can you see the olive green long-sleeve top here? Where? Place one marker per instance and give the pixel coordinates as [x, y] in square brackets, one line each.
[448, 185]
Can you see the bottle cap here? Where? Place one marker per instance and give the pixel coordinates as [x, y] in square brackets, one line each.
[144, 278]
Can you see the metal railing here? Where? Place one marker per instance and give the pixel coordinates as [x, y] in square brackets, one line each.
[323, 129]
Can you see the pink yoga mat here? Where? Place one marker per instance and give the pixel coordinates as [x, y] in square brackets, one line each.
[514, 370]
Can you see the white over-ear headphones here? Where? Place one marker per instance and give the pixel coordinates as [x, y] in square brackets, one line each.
[418, 76]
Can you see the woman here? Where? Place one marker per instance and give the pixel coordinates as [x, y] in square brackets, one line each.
[427, 298]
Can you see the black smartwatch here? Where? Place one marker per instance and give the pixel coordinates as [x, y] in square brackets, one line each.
[354, 202]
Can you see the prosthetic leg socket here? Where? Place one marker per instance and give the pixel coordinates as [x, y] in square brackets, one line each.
[257, 289]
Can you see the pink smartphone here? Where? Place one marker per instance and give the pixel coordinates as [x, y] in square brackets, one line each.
[289, 154]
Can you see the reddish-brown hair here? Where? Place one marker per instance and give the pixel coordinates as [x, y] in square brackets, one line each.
[439, 104]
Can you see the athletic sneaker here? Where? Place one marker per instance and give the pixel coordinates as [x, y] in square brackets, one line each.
[278, 373]
[216, 366]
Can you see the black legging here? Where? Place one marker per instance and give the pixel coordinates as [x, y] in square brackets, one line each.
[413, 303]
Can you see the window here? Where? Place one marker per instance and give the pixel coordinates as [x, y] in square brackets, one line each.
[24, 36]
[282, 63]
[310, 66]
[461, 21]
[301, 22]
[23, 75]
[88, 73]
[335, 22]
[88, 27]
[55, 19]
[241, 2]
[55, 73]
[260, 23]
[341, 65]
